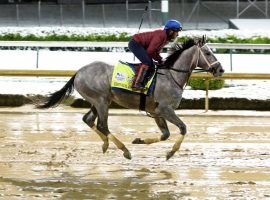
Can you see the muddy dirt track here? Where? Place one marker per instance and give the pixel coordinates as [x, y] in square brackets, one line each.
[54, 155]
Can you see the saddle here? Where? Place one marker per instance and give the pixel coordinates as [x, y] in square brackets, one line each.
[125, 73]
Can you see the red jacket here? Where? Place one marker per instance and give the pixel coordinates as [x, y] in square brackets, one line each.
[153, 42]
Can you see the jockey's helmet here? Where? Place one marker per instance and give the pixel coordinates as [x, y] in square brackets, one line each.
[173, 25]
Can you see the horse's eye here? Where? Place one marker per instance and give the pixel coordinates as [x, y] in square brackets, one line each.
[208, 53]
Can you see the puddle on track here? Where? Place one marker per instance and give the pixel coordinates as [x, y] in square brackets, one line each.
[56, 156]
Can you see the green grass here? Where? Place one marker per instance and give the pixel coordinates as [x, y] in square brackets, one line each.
[199, 84]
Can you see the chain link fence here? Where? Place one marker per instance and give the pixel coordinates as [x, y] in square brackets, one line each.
[194, 14]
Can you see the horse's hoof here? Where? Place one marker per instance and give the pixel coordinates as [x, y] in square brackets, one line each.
[138, 141]
[105, 147]
[169, 155]
[127, 155]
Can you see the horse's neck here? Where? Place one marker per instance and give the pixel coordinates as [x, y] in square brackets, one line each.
[187, 62]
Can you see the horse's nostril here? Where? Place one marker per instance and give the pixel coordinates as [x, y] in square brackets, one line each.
[221, 70]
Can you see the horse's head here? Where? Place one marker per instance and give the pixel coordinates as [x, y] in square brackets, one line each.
[207, 60]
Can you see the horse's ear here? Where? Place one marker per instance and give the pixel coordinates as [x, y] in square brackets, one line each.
[200, 42]
[197, 41]
[204, 39]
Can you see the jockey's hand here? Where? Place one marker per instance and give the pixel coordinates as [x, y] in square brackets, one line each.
[155, 63]
[160, 63]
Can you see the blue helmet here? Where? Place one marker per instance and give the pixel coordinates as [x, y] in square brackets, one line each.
[173, 25]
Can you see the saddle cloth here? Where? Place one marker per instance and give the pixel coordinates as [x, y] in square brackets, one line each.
[123, 76]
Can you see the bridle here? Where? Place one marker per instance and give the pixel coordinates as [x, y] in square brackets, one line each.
[208, 64]
[200, 53]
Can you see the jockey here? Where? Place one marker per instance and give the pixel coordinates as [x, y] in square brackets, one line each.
[147, 46]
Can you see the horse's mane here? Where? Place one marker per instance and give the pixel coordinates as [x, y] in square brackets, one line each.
[176, 50]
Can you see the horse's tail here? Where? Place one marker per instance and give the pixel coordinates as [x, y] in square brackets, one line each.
[55, 98]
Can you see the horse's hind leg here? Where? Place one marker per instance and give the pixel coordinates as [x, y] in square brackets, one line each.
[89, 118]
[102, 126]
[164, 129]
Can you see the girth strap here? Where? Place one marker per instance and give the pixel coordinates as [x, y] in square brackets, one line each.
[142, 102]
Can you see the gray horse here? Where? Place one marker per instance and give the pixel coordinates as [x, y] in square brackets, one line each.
[93, 82]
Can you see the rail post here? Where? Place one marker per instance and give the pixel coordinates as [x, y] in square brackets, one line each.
[231, 59]
[127, 16]
[61, 14]
[37, 60]
[39, 12]
[17, 15]
[103, 16]
[206, 107]
[83, 13]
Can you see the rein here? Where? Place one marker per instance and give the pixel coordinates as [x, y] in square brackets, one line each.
[187, 71]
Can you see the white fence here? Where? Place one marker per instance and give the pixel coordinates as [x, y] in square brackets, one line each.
[47, 44]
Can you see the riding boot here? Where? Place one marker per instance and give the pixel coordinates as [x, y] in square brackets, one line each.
[138, 82]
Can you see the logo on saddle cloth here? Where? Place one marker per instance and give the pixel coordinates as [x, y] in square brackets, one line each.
[123, 76]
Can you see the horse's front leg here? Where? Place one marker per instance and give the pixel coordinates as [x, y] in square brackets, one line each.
[164, 129]
[169, 114]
